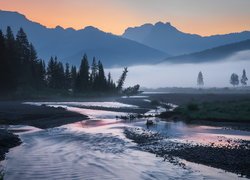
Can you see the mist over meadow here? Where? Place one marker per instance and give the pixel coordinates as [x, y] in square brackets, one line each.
[216, 74]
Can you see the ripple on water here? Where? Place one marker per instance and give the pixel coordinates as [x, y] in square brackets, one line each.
[70, 153]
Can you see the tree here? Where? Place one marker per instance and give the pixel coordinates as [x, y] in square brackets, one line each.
[11, 66]
[244, 78]
[73, 76]
[23, 55]
[200, 81]
[121, 80]
[4, 68]
[67, 77]
[234, 80]
[101, 79]
[51, 73]
[83, 75]
[130, 91]
[94, 71]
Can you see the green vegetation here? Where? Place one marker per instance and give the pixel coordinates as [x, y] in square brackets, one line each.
[216, 111]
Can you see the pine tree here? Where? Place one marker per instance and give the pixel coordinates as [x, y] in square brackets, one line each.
[200, 81]
[244, 78]
[51, 73]
[234, 80]
[83, 75]
[25, 68]
[67, 77]
[73, 76]
[101, 79]
[4, 69]
[94, 69]
[121, 80]
[12, 65]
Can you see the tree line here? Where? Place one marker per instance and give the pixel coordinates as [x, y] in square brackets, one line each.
[234, 79]
[22, 71]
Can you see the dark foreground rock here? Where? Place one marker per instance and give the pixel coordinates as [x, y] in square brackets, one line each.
[7, 140]
[233, 157]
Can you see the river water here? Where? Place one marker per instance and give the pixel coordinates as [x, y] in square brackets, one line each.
[98, 149]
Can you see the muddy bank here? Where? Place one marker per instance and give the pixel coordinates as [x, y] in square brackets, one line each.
[7, 140]
[16, 113]
[233, 156]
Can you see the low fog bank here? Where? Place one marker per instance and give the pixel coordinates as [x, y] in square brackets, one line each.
[216, 74]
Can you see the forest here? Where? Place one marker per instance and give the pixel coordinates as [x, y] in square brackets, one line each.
[22, 72]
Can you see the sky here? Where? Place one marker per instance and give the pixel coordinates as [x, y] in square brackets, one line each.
[204, 17]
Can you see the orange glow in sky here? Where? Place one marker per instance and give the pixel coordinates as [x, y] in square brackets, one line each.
[193, 16]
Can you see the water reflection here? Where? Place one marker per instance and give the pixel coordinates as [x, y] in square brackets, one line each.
[97, 149]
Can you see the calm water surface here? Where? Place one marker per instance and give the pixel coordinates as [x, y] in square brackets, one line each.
[98, 149]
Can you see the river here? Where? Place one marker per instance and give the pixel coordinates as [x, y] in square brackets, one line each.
[98, 149]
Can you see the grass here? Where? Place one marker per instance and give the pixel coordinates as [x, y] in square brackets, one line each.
[216, 111]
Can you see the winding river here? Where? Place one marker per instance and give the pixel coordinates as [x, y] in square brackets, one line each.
[98, 149]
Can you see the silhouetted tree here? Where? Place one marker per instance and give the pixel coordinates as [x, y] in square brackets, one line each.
[94, 71]
[51, 73]
[67, 77]
[12, 65]
[25, 64]
[4, 67]
[21, 71]
[234, 80]
[244, 78]
[130, 91]
[200, 81]
[82, 84]
[73, 75]
[101, 79]
[121, 80]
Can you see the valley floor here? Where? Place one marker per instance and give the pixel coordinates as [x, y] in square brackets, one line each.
[161, 136]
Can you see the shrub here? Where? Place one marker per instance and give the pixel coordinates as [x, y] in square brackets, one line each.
[192, 107]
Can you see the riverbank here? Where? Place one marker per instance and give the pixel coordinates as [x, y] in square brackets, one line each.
[43, 117]
[217, 111]
[8, 140]
[230, 154]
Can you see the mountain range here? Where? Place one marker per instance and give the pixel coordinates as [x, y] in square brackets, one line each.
[146, 44]
[165, 37]
[69, 45]
[213, 54]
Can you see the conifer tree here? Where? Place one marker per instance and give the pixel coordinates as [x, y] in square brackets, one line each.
[121, 80]
[73, 76]
[244, 78]
[23, 54]
[83, 75]
[12, 66]
[94, 71]
[4, 68]
[200, 81]
[67, 77]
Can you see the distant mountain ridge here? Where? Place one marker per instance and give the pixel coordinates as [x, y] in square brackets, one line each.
[214, 54]
[70, 44]
[167, 38]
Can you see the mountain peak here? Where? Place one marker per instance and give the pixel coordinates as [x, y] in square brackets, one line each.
[59, 27]
[166, 26]
[91, 28]
[12, 14]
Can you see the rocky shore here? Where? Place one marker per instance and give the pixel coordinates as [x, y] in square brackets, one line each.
[233, 156]
[7, 140]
